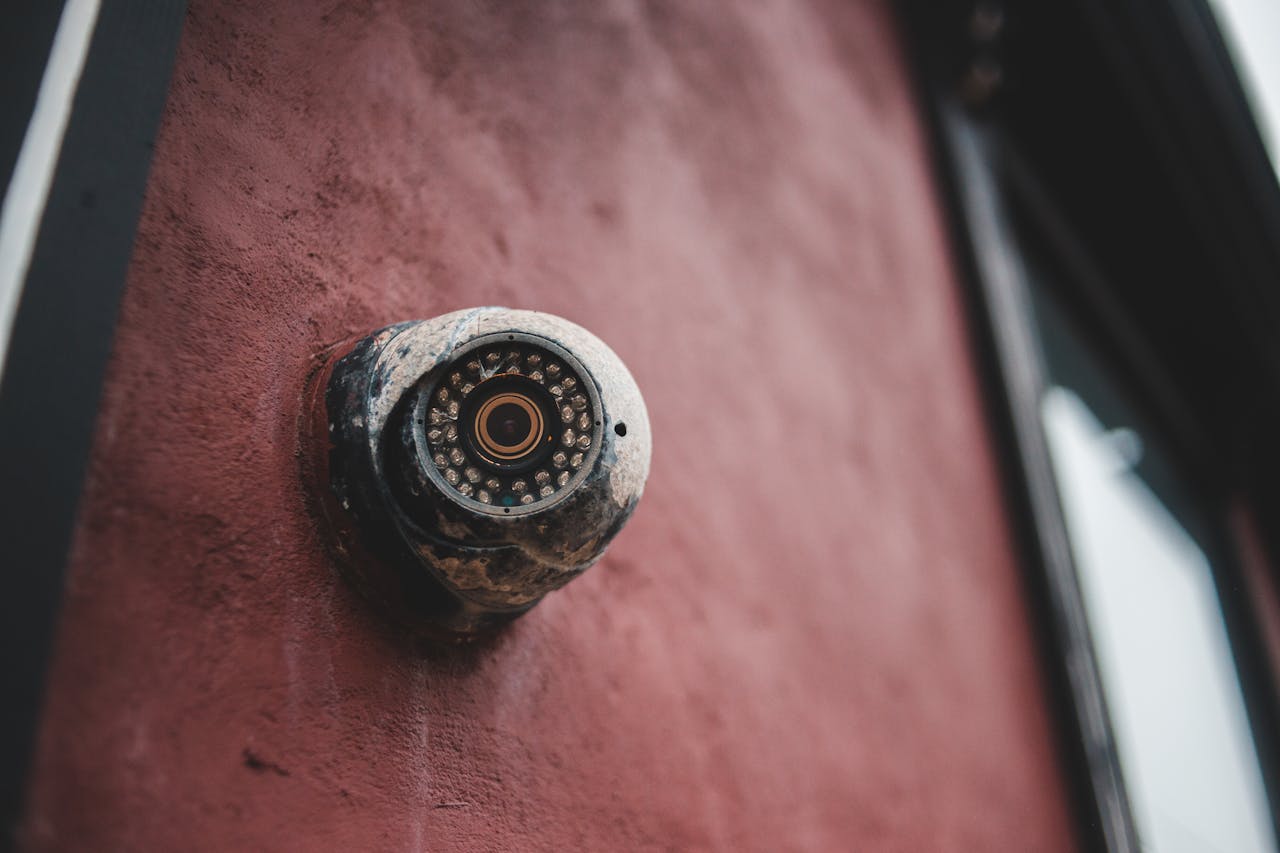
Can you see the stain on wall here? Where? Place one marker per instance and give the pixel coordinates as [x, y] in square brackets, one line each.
[811, 636]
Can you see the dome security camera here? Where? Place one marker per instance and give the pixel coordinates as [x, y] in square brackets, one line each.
[471, 463]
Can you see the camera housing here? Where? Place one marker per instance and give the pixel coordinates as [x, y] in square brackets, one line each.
[471, 463]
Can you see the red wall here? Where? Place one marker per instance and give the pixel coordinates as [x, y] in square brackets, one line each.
[812, 634]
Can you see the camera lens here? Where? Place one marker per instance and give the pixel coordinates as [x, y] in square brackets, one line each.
[506, 422]
[508, 426]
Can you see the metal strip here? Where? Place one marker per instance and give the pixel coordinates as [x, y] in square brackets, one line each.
[28, 191]
[60, 343]
[1003, 289]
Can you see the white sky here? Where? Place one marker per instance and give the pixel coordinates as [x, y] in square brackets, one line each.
[1252, 29]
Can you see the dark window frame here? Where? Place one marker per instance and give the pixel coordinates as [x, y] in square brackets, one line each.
[1010, 91]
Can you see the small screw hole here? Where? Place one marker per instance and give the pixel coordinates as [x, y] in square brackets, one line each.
[511, 337]
[508, 509]
[620, 429]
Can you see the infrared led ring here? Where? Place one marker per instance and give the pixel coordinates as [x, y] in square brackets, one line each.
[509, 425]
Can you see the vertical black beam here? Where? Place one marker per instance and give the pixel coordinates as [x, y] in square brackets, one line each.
[61, 340]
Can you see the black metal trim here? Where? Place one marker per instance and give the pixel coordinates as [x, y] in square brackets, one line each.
[61, 340]
[1177, 73]
[1019, 381]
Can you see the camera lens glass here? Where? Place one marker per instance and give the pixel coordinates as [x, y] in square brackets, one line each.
[510, 424]
[506, 422]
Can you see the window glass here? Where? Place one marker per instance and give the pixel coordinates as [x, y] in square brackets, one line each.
[1177, 712]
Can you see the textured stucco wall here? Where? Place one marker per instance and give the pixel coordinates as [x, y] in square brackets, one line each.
[811, 636]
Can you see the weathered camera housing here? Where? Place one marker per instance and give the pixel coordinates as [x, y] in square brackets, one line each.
[429, 543]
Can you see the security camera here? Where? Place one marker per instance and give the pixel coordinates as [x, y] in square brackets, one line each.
[471, 463]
